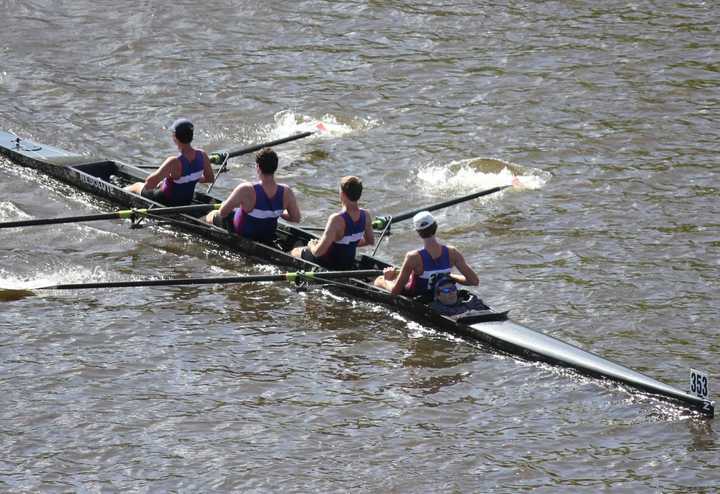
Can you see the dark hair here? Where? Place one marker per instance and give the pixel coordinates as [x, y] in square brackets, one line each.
[184, 133]
[182, 129]
[352, 187]
[428, 232]
[267, 160]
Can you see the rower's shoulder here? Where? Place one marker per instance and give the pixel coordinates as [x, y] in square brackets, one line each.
[169, 162]
[286, 187]
[413, 254]
[245, 187]
[365, 214]
[453, 252]
[173, 158]
[336, 217]
[450, 248]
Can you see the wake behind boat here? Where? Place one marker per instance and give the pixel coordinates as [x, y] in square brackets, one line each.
[106, 179]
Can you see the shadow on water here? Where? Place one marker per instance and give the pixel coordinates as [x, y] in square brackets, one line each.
[702, 434]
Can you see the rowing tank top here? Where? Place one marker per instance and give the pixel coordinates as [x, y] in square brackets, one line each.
[421, 284]
[341, 254]
[260, 223]
[179, 191]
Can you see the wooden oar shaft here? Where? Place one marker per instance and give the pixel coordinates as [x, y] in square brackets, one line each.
[124, 214]
[293, 276]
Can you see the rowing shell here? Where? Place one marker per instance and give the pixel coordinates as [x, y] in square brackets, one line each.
[106, 179]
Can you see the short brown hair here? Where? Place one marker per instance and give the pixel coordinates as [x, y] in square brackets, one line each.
[267, 160]
[352, 187]
[428, 232]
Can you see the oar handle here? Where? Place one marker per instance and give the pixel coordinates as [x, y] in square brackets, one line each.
[220, 156]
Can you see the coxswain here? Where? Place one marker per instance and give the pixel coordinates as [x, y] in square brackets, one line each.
[173, 184]
[421, 266]
[344, 232]
[252, 209]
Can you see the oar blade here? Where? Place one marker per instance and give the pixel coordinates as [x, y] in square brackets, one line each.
[13, 294]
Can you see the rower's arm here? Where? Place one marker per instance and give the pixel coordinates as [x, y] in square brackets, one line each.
[330, 235]
[369, 236]
[239, 197]
[158, 175]
[467, 276]
[208, 173]
[292, 210]
[408, 266]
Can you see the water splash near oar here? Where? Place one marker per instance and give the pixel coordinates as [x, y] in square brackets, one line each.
[326, 126]
[478, 173]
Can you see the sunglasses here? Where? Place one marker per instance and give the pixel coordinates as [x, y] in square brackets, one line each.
[448, 289]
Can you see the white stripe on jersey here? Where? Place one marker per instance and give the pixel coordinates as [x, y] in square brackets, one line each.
[347, 239]
[193, 177]
[262, 214]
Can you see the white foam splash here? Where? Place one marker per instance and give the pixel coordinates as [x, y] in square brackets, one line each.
[10, 212]
[63, 275]
[476, 174]
[288, 122]
[218, 270]
[267, 268]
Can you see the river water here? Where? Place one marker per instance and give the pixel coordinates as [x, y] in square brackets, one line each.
[606, 112]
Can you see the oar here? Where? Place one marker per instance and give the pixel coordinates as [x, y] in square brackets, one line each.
[222, 157]
[379, 223]
[316, 276]
[124, 214]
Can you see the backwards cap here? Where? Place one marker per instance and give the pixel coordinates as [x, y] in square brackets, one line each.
[423, 220]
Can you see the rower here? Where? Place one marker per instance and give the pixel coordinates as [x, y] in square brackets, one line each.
[344, 232]
[173, 184]
[419, 266]
[252, 209]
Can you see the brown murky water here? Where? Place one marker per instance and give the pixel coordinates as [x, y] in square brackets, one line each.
[606, 111]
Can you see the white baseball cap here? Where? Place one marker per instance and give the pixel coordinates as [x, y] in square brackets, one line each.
[423, 220]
